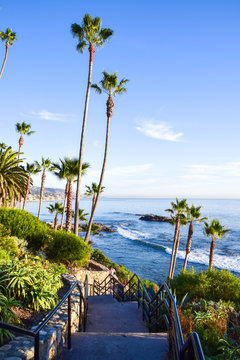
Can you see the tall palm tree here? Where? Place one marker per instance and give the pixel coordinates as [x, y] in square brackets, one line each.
[215, 231]
[23, 129]
[90, 34]
[110, 86]
[13, 178]
[31, 169]
[9, 36]
[56, 208]
[193, 215]
[61, 172]
[45, 165]
[92, 191]
[177, 211]
[72, 167]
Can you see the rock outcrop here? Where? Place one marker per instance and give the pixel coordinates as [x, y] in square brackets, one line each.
[157, 218]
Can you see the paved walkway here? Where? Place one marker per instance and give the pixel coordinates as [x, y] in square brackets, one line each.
[115, 331]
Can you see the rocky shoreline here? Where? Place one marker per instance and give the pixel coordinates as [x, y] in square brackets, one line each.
[156, 218]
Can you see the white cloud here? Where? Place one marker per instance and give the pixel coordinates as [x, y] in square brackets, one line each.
[47, 115]
[231, 169]
[130, 170]
[158, 130]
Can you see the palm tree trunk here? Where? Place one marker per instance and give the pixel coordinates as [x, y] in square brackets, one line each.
[64, 204]
[175, 254]
[41, 193]
[20, 145]
[27, 191]
[69, 209]
[211, 253]
[93, 202]
[174, 246]
[56, 221]
[100, 182]
[188, 246]
[76, 217]
[5, 58]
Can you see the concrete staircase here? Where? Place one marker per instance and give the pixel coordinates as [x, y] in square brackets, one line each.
[115, 331]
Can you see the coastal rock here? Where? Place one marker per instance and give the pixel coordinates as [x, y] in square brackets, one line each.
[104, 228]
[157, 218]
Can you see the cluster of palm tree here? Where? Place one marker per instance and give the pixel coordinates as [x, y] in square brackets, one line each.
[91, 34]
[181, 215]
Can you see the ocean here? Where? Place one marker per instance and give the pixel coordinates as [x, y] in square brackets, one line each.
[145, 247]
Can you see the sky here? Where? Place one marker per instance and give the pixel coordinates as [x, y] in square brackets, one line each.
[176, 130]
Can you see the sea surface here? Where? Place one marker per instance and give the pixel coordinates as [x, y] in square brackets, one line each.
[145, 247]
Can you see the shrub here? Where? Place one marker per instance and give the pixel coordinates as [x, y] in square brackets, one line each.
[69, 248]
[25, 226]
[212, 284]
[7, 315]
[32, 281]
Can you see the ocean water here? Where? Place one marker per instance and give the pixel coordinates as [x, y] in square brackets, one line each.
[145, 247]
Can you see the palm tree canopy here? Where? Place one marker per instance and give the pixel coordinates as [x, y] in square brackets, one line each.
[215, 229]
[72, 167]
[183, 220]
[82, 215]
[93, 189]
[24, 129]
[57, 207]
[9, 36]
[3, 146]
[109, 84]
[45, 164]
[33, 169]
[194, 213]
[178, 208]
[90, 32]
[13, 177]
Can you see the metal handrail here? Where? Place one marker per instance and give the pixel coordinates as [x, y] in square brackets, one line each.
[35, 333]
[150, 312]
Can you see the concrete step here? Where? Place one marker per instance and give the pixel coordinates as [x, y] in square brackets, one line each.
[117, 346]
[106, 314]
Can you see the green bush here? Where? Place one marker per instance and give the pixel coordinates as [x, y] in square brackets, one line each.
[25, 226]
[69, 248]
[32, 281]
[7, 315]
[212, 284]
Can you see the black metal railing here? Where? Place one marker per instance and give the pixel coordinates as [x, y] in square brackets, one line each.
[159, 309]
[83, 305]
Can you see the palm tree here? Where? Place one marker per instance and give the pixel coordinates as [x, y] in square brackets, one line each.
[13, 178]
[177, 211]
[31, 169]
[82, 215]
[193, 214]
[92, 191]
[61, 172]
[9, 36]
[58, 208]
[110, 86]
[23, 129]
[90, 34]
[72, 167]
[45, 165]
[215, 231]
[3, 146]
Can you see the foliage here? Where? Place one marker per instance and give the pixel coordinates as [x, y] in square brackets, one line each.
[57, 207]
[7, 315]
[25, 226]
[31, 280]
[9, 36]
[24, 128]
[68, 247]
[212, 284]
[13, 178]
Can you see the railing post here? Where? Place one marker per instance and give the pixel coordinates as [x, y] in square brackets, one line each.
[36, 347]
[149, 315]
[138, 293]
[69, 321]
[80, 314]
[93, 287]
[85, 317]
[157, 309]
[105, 286]
[143, 304]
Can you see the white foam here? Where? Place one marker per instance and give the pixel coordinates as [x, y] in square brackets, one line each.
[132, 234]
[201, 256]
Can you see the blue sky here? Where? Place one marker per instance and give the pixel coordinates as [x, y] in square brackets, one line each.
[175, 132]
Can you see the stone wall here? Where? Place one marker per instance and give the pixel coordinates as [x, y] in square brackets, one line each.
[52, 337]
